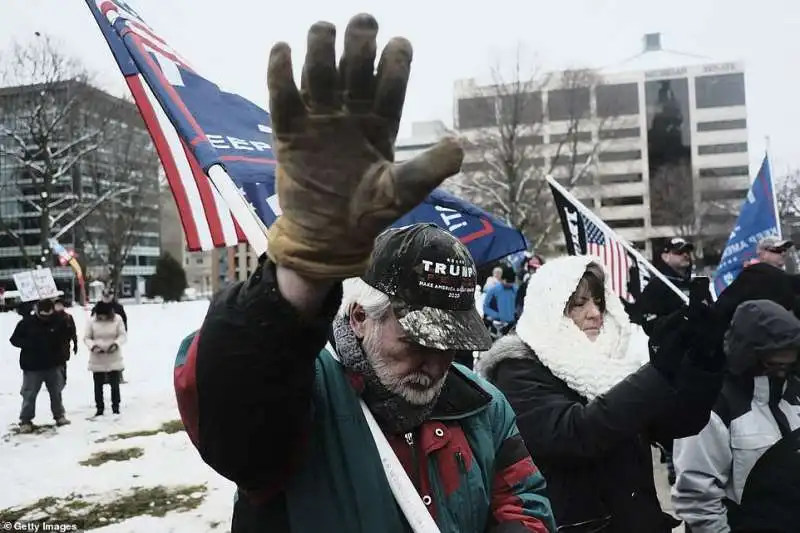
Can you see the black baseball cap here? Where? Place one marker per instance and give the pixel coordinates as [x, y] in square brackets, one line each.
[431, 277]
[678, 244]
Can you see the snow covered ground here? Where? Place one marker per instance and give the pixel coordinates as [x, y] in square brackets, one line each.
[47, 463]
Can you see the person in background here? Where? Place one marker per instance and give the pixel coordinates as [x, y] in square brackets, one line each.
[657, 299]
[499, 303]
[70, 333]
[109, 297]
[105, 334]
[494, 279]
[764, 279]
[40, 338]
[759, 405]
[529, 268]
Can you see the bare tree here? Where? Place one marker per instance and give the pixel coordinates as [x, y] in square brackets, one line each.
[787, 193]
[45, 131]
[127, 168]
[507, 161]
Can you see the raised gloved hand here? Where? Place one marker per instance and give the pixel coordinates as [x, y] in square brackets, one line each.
[336, 182]
[670, 338]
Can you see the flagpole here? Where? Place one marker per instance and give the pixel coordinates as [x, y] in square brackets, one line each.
[253, 227]
[604, 227]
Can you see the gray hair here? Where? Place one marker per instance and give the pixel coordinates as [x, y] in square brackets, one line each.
[356, 291]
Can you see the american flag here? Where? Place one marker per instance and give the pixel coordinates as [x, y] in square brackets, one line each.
[626, 273]
[613, 255]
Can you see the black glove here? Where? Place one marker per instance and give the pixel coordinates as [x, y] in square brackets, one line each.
[708, 330]
[670, 339]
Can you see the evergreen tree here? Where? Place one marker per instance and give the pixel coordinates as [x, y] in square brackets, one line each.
[169, 281]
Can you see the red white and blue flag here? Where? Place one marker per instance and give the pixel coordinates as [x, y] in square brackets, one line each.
[198, 127]
[627, 274]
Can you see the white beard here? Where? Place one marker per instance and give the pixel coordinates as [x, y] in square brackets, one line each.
[417, 388]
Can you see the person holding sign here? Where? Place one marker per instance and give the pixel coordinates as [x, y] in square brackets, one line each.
[40, 338]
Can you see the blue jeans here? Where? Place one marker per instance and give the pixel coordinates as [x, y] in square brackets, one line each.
[32, 380]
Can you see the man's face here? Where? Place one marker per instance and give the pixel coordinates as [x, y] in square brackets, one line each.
[107, 297]
[678, 259]
[405, 368]
[774, 257]
[779, 364]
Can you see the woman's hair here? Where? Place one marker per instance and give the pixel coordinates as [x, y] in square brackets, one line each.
[591, 286]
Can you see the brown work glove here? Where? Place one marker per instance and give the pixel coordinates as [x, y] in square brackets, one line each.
[336, 182]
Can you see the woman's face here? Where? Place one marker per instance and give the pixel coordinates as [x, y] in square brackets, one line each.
[586, 310]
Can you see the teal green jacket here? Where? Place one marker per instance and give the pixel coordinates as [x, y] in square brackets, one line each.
[302, 454]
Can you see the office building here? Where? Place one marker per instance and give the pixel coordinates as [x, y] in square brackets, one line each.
[662, 137]
[85, 112]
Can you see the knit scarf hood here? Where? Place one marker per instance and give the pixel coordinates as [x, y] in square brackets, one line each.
[590, 368]
[393, 413]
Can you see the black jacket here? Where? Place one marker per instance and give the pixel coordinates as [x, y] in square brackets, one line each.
[658, 300]
[41, 342]
[596, 456]
[118, 310]
[760, 282]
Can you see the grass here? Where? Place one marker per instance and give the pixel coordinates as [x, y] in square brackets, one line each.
[78, 509]
[173, 426]
[102, 457]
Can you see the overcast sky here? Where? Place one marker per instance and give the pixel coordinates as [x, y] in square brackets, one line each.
[229, 41]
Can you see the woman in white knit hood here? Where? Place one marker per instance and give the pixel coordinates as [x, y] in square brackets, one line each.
[105, 334]
[589, 403]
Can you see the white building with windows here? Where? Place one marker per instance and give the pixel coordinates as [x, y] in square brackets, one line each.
[665, 135]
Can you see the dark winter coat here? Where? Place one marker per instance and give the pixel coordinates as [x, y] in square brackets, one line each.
[713, 490]
[70, 335]
[268, 407]
[658, 300]
[588, 419]
[760, 282]
[41, 341]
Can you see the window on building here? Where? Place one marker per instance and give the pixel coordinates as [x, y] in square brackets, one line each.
[721, 90]
[626, 223]
[727, 148]
[477, 112]
[617, 201]
[724, 172]
[521, 108]
[722, 125]
[471, 167]
[568, 104]
[621, 178]
[617, 100]
[570, 159]
[530, 140]
[620, 133]
[625, 155]
[579, 136]
[722, 194]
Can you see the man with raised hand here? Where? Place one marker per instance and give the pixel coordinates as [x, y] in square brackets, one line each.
[271, 407]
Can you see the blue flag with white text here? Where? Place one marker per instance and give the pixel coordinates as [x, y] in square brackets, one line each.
[757, 219]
